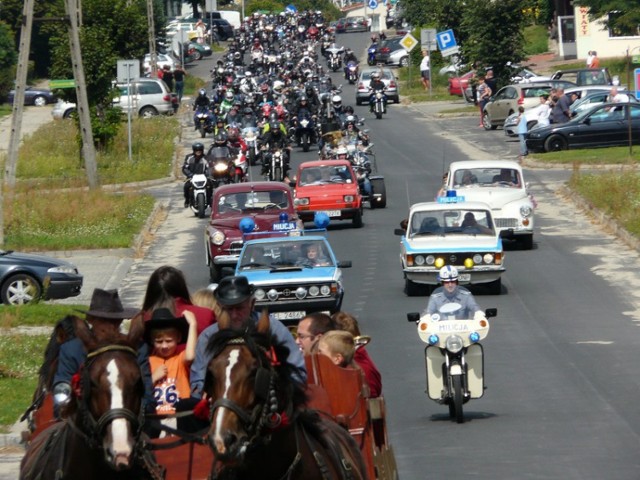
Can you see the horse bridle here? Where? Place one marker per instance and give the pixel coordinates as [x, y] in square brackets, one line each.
[95, 429]
[264, 413]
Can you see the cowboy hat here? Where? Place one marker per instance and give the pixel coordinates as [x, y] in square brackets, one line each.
[161, 319]
[107, 304]
[233, 290]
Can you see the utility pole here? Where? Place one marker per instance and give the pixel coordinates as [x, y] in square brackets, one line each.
[153, 55]
[18, 98]
[88, 149]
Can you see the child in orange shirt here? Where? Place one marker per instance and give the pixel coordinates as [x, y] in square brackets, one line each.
[170, 369]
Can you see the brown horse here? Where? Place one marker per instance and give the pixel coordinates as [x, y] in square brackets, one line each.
[260, 428]
[99, 439]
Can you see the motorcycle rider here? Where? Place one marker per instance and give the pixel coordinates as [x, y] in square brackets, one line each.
[452, 292]
[377, 85]
[227, 104]
[276, 139]
[349, 56]
[201, 101]
[196, 163]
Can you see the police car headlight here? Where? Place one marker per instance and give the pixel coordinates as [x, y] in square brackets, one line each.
[477, 258]
[488, 258]
[469, 263]
[430, 259]
[439, 263]
[325, 290]
[218, 238]
[259, 294]
[419, 260]
[314, 291]
[301, 292]
[272, 294]
[454, 344]
[525, 211]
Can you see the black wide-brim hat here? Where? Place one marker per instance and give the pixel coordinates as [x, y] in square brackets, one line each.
[233, 290]
[107, 304]
[162, 318]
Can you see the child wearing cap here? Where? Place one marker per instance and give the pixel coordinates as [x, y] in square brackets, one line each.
[170, 368]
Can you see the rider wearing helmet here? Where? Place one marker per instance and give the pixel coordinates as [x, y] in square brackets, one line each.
[227, 103]
[194, 163]
[376, 85]
[451, 292]
[275, 135]
[201, 102]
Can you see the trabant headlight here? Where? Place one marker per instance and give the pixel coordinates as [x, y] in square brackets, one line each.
[525, 211]
[477, 258]
[218, 238]
[430, 259]
[454, 344]
[419, 260]
[488, 258]
[259, 294]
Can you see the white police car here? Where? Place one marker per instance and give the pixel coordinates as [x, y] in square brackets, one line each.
[451, 232]
[500, 184]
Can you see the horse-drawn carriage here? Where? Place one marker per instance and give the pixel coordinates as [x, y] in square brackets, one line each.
[260, 424]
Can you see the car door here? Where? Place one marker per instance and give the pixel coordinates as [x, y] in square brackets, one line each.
[604, 126]
[503, 104]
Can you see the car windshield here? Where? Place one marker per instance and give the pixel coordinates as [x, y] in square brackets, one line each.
[244, 201]
[448, 222]
[325, 174]
[487, 177]
[286, 255]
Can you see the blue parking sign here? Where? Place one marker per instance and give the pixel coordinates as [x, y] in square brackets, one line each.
[446, 40]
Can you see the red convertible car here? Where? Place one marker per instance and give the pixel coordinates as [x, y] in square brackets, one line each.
[328, 186]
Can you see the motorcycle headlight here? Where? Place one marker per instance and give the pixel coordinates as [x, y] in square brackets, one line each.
[525, 211]
[454, 344]
[220, 167]
[218, 238]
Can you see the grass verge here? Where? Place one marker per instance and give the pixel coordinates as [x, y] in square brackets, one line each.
[35, 315]
[592, 156]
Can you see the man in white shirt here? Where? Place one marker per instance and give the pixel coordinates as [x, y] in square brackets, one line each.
[616, 97]
[424, 70]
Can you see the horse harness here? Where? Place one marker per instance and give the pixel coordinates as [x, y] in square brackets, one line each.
[265, 414]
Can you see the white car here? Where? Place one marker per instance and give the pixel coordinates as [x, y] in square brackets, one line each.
[63, 110]
[499, 183]
[162, 60]
[451, 232]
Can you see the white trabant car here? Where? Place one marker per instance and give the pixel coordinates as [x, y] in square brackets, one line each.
[499, 183]
[455, 233]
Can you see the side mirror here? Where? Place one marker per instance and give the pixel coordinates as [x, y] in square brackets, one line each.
[399, 231]
[413, 317]
[587, 121]
[344, 264]
[490, 312]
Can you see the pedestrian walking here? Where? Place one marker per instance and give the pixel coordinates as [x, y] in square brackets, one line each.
[178, 77]
[425, 72]
[522, 133]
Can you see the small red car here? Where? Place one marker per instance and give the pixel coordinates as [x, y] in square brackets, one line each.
[457, 85]
[328, 186]
[268, 206]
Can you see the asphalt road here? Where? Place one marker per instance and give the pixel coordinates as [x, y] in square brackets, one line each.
[560, 357]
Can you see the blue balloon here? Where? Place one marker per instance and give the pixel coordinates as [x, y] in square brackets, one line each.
[247, 225]
[321, 220]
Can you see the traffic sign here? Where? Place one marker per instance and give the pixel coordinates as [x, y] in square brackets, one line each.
[128, 70]
[636, 78]
[446, 40]
[428, 38]
[373, 4]
[408, 42]
[71, 83]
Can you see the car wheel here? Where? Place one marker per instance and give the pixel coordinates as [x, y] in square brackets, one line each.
[68, 113]
[39, 101]
[526, 241]
[197, 55]
[486, 121]
[555, 143]
[357, 220]
[404, 62]
[148, 112]
[495, 287]
[412, 289]
[20, 289]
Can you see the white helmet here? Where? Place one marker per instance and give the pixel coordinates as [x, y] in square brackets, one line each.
[278, 85]
[448, 273]
[337, 101]
[229, 95]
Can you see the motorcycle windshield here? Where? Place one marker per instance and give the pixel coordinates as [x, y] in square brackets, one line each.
[219, 152]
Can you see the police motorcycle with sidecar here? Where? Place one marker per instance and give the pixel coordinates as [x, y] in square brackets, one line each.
[454, 358]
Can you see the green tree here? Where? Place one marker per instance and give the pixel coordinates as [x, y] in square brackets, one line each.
[8, 58]
[264, 5]
[494, 34]
[621, 16]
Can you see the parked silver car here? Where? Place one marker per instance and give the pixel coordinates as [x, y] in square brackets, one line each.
[148, 97]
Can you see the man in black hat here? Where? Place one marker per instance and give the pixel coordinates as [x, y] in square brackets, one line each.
[105, 315]
[235, 296]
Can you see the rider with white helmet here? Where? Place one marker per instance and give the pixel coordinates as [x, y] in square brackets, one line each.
[451, 292]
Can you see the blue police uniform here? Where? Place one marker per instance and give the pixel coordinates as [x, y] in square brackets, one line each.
[460, 295]
[278, 330]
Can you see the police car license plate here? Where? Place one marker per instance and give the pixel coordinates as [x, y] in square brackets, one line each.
[284, 226]
[333, 213]
[297, 315]
[465, 277]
